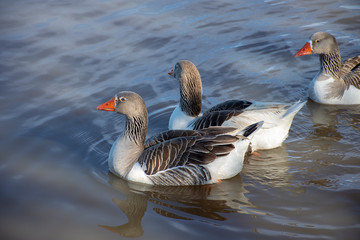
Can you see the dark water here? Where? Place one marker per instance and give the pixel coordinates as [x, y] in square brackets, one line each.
[60, 59]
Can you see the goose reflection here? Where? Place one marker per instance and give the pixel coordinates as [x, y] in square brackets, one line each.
[328, 118]
[185, 202]
[271, 167]
[334, 114]
[134, 208]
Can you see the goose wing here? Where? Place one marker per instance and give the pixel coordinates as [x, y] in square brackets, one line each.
[350, 72]
[167, 135]
[230, 105]
[171, 134]
[350, 64]
[213, 118]
[180, 161]
[241, 114]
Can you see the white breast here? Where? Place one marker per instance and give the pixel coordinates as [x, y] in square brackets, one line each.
[120, 150]
[317, 89]
[179, 119]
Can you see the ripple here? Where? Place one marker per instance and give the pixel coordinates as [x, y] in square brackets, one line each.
[61, 59]
[312, 25]
[352, 7]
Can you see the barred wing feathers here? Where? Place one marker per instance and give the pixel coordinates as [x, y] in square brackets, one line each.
[350, 72]
[180, 161]
[213, 118]
[171, 134]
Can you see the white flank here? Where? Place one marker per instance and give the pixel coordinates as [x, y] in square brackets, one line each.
[317, 92]
[137, 174]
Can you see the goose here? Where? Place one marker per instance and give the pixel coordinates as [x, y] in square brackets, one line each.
[177, 157]
[336, 83]
[277, 117]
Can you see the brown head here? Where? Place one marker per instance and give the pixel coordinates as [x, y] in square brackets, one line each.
[190, 87]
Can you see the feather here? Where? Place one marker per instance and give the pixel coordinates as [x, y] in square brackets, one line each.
[182, 151]
[230, 105]
[189, 175]
[350, 72]
[214, 118]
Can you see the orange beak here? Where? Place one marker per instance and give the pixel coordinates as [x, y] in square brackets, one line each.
[108, 106]
[171, 73]
[305, 50]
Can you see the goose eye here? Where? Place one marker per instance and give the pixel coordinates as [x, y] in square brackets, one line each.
[317, 40]
[120, 99]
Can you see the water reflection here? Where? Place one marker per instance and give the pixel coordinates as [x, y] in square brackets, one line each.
[332, 115]
[328, 119]
[185, 203]
[134, 208]
[75, 54]
[271, 167]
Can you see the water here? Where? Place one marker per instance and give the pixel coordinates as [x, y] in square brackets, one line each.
[60, 59]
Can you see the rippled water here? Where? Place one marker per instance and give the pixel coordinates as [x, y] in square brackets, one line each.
[60, 59]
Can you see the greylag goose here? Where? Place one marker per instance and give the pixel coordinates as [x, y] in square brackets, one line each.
[277, 117]
[336, 82]
[178, 157]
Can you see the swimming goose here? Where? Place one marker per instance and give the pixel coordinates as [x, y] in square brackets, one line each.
[336, 82]
[178, 157]
[277, 117]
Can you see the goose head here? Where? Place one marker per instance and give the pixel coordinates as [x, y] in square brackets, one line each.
[319, 43]
[127, 103]
[190, 87]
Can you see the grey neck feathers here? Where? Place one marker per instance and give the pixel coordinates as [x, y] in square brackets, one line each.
[331, 64]
[136, 129]
[191, 94]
